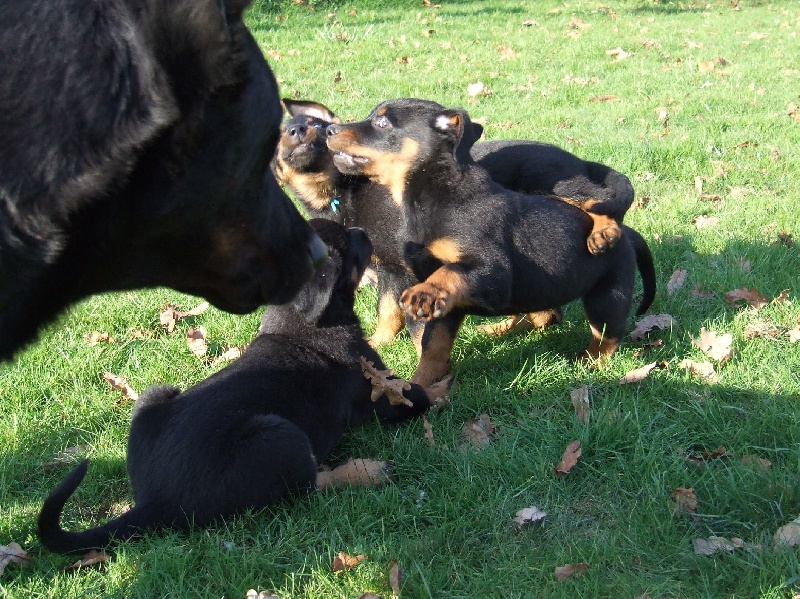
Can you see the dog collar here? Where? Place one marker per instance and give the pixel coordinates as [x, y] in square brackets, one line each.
[335, 204]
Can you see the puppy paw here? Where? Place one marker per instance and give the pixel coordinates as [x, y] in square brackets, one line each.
[424, 300]
[604, 236]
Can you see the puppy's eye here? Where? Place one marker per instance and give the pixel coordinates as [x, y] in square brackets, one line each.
[382, 122]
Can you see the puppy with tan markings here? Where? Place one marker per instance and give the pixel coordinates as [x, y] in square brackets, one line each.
[255, 432]
[477, 247]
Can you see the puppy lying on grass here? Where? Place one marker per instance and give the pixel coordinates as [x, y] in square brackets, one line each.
[263, 423]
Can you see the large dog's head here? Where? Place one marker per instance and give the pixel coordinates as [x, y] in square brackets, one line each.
[136, 145]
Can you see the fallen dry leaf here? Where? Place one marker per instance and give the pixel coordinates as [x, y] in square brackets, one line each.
[793, 335]
[121, 383]
[382, 384]
[395, 577]
[650, 322]
[760, 329]
[232, 353]
[618, 53]
[788, 535]
[783, 298]
[196, 341]
[69, 456]
[713, 545]
[685, 501]
[428, 432]
[580, 399]
[647, 347]
[702, 458]
[477, 432]
[253, 594]
[639, 374]
[344, 561]
[92, 558]
[702, 293]
[750, 297]
[785, 238]
[704, 222]
[96, 337]
[170, 316]
[564, 572]
[603, 98]
[569, 459]
[755, 462]
[529, 515]
[13, 554]
[477, 89]
[704, 370]
[676, 281]
[716, 347]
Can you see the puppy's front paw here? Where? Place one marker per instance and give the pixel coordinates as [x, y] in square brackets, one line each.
[604, 236]
[424, 300]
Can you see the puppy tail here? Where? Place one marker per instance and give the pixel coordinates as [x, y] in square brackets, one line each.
[59, 540]
[644, 262]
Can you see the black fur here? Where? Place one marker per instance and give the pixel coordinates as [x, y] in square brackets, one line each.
[136, 139]
[479, 248]
[255, 432]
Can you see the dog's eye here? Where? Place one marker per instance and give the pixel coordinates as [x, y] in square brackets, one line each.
[382, 122]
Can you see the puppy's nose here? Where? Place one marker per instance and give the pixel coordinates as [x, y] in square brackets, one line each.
[332, 130]
[297, 131]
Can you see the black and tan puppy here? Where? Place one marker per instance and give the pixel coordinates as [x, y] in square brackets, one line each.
[136, 141]
[304, 163]
[477, 247]
[255, 432]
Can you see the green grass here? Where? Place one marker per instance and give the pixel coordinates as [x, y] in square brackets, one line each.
[448, 518]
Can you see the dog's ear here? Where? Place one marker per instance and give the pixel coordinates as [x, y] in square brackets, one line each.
[472, 133]
[315, 295]
[451, 123]
[309, 108]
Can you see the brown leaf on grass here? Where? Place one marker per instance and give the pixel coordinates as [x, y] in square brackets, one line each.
[705, 222]
[676, 281]
[254, 594]
[564, 572]
[684, 501]
[710, 197]
[478, 89]
[704, 370]
[702, 458]
[569, 459]
[702, 293]
[603, 98]
[714, 545]
[383, 385]
[96, 337]
[756, 463]
[93, 558]
[783, 298]
[647, 347]
[395, 577]
[618, 53]
[13, 554]
[69, 456]
[793, 335]
[760, 329]
[120, 383]
[344, 561]
[716, 347]
[170, 316]
[785, 238]
[580, 399]
[794, 111]
[650, 322]
[196, 340]
[369, 595]
[639, 374]
[232, 353]
[788, 535]
[428, 432]
[529, 515]
[477, 432]
[743, 296]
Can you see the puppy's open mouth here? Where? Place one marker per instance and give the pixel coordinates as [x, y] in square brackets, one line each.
[349, 163]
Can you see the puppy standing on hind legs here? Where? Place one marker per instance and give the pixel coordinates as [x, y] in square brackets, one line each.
[254, 432]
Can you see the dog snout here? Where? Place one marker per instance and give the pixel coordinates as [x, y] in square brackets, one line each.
[332, 130]
[297, 131]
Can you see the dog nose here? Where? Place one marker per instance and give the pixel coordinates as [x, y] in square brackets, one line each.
[332, 130]
[297, 131]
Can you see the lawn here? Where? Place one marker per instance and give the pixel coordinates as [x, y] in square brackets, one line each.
[699, 104]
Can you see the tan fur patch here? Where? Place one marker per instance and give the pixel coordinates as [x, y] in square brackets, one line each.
[434, 361]
[445, 249]
[315, 189]
[601, 347]
[390, 320]
[355, 473]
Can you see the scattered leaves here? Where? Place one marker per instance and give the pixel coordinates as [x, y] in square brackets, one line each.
[639, 374]
[428, 432]
[702, 458]
[93, 558]
[716, 347]
[395, 577]
[13, 554]
[580, 399]
[704, 370]
[96, 337]
[756, 463]
[704, 222]
[603, 98]
[196, 340]
[477, 89]
[529, 515]
[676, 281]
[619, 54]
[344, 561]
[569, 459]
[120, 383]
[788, 535]
[382, 384]
[650, 322]
[714, 545]
[477, 432]
[170, 316]
[684, 501]
[751, 297]
[564, 572]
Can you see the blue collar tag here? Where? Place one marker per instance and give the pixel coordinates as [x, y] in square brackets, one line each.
[335, 204]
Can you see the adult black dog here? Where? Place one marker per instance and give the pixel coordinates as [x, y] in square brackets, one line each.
[136, 138]
[254, 433]
[477, 247]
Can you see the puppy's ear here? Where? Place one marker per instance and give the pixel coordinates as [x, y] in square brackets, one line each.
[472, 133]
[309, 108]
[451, 123]
[315, 295]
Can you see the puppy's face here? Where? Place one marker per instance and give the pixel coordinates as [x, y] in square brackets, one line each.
[396, 140]
[303, 161]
